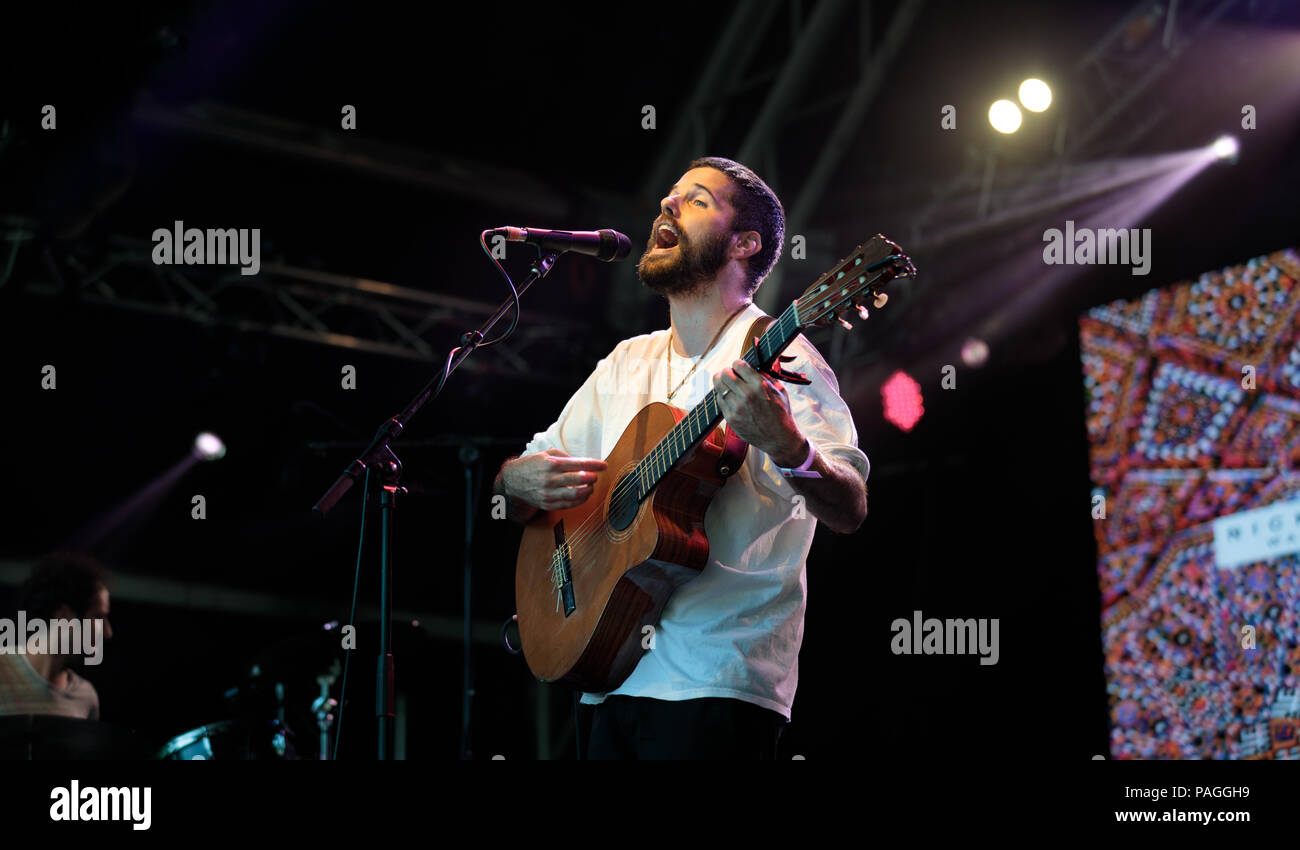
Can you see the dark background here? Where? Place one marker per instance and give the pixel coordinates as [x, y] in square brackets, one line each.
[981, 511]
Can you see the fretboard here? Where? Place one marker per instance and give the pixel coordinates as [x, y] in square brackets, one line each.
[704, 417]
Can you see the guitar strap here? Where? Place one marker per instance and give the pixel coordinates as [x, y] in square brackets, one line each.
[756, 329]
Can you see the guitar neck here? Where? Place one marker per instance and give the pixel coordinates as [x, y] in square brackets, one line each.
[704, 417]
[863, 274]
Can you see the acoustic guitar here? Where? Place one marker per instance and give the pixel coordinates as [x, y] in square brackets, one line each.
[589, 579]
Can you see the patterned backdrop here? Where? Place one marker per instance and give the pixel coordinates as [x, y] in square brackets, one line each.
[1193, 413]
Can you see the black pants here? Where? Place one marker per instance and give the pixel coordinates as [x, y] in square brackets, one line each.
[642, 728]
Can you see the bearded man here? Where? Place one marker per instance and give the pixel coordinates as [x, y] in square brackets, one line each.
[721, 678]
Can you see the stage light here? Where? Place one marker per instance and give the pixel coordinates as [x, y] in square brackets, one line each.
[1225, 147]
[903, 402]
[974, 352]
[1004, 116]
[208, 446]
[1035, 95]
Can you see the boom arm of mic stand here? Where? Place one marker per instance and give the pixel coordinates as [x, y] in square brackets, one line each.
[379, 450]
[379, 454]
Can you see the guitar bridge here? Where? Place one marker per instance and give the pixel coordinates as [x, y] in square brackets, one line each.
[562, 572]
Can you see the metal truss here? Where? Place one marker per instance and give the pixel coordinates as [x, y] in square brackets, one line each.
[874, 61]
[1105, 90]
[1111, 87]
[441, 174]
[309, 305]
[790, 82]
[287, 302]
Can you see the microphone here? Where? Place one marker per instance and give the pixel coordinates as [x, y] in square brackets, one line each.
[604, 245]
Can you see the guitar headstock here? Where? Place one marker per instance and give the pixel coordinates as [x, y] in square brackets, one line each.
[861, 276]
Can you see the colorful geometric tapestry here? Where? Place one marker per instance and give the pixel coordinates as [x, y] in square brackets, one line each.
[1193, 414]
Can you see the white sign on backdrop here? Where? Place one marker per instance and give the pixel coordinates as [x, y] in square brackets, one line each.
[1258, 535]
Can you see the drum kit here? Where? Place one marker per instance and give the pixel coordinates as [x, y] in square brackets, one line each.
[256, 733]
[260, 729]
[256, 727]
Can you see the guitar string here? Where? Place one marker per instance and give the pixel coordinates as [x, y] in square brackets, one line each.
[580, 559]
[595, 520]
[633, 479]
[780, 322]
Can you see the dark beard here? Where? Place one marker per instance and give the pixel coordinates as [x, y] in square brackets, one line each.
[688, 270]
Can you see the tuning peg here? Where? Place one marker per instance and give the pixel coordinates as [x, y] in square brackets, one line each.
[862, 311]
[845, 323]
[881, 299]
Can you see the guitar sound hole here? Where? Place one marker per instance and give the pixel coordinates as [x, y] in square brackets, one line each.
[624, 506]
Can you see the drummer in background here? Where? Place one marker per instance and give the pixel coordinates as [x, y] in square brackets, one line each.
[64, 585]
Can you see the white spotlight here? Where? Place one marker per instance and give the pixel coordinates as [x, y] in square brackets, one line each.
[1035, 95]
[974, 352]
[208, 446]
[1004, 116]
[1225, 147]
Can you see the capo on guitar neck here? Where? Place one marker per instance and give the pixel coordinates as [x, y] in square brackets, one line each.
[775, 371]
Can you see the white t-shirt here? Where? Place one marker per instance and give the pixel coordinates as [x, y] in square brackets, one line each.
[734, 630]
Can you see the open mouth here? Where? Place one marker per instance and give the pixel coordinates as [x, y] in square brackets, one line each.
[666, 236]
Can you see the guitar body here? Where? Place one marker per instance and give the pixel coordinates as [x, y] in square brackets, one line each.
[620, 574]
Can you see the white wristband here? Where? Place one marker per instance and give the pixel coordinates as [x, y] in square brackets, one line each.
[803, 470]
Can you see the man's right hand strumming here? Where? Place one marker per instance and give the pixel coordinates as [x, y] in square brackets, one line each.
[550, 480]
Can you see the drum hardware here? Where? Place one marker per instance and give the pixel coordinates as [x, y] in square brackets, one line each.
[323, 706]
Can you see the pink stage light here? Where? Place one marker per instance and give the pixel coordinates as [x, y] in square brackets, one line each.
[903, 402]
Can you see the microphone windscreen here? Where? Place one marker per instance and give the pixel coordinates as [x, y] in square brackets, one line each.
[614, 245]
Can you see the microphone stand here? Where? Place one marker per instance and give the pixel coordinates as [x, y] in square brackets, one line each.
[379, 455]
[469, 456]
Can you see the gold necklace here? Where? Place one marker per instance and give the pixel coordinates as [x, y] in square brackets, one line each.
[668, 353]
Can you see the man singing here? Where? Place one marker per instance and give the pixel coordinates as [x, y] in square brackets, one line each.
[721, 677]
